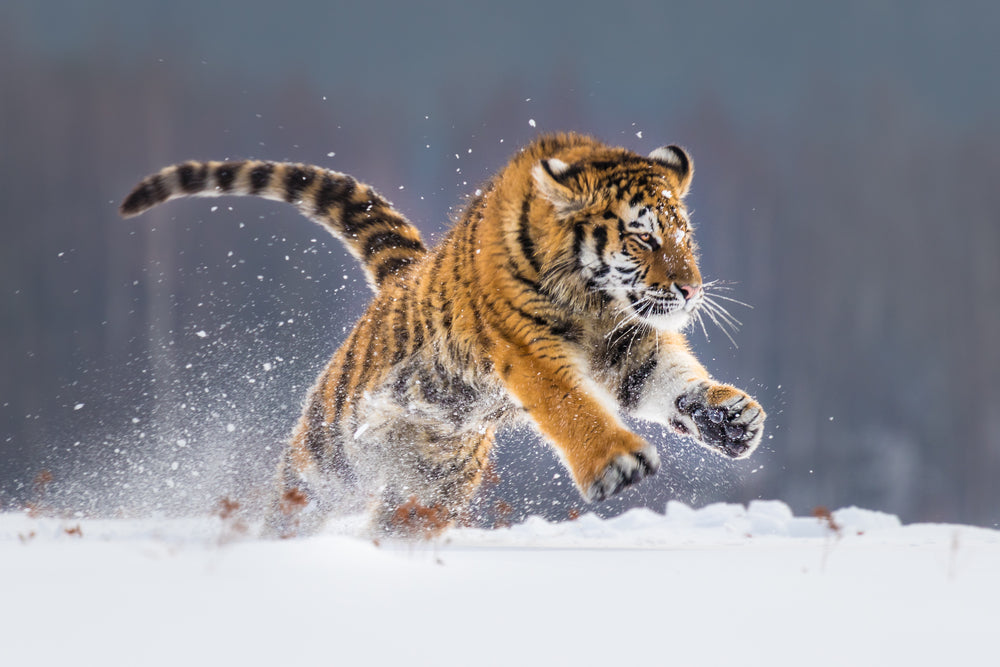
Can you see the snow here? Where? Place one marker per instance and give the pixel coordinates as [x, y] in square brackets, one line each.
[719, 585]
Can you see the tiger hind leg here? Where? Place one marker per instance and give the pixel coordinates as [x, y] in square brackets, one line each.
[299, 504]
[307, 490]
[426, 507]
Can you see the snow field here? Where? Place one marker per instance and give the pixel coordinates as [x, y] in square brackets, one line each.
[721, 585]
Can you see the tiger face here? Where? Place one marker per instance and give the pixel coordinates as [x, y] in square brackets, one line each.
[629, 237]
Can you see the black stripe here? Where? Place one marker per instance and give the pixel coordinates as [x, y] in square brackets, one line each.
[260, 176]
[340, 391]
[334, 190]
[456, 269]
[566, 331]
[359, 215]
[150, 192]
[617, 351]
[563, 176]
[402, 334]
[338, 461]
[429, 308]
[316, 429]
[418, 325]
[524, 236]
[296, 180]
[385, 239]
[476, 301]
[389, 267]
[521, 278]
[630, 393]
[604, 165]
[600, 236]
[225, 174]
[368, 364]
[579, 230]
[193, 177]
[558, 328]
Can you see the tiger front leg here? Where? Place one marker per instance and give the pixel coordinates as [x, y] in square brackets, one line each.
[603, 456]
[680, 394]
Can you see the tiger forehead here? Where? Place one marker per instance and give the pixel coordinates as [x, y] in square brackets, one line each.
[652, 212]
[634, 187]
[628, 173]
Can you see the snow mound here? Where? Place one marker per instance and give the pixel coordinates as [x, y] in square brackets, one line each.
[719, 523]
[720, 585]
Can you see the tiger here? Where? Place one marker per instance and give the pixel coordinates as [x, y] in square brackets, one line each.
[559, 298]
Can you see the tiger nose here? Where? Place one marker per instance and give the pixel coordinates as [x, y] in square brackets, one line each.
[689, 291]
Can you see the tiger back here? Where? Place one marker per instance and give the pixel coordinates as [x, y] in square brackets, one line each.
[559, 298]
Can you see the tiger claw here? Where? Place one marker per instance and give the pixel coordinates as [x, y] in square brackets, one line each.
[623, 471]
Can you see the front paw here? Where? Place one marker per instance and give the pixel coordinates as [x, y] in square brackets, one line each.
[623, 471]
[727, 419]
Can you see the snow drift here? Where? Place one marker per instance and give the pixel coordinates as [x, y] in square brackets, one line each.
[721, 585]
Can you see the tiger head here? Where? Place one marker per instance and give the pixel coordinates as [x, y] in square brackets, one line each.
[624, 233]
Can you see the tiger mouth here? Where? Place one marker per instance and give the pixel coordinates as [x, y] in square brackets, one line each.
[647, 305]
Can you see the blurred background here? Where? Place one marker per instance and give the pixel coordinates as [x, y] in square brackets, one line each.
[847, 186]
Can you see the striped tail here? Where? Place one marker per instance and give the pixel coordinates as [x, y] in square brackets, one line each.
[383, 240]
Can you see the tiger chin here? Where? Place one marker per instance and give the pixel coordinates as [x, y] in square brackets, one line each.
[559, 298]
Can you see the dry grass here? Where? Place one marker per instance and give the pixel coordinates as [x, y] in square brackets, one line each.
[503, 511]
[412, 519]
[292, 501]
[824, 515]
[233, 524]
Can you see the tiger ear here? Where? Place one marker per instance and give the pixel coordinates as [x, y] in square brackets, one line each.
[550, 176]
[677, 159]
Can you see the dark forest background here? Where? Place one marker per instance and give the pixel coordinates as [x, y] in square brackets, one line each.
[847, 158]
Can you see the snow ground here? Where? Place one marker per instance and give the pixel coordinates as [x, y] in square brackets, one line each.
[722, 585]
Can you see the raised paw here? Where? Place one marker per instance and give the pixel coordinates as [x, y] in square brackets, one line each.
[727, 420]
[623, 471]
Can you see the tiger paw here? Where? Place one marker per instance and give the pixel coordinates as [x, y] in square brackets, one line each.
[623, 471]
[724, 418]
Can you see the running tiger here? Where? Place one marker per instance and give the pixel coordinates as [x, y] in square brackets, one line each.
[559, 297]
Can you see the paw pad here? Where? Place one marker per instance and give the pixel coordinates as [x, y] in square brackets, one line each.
[733, 428]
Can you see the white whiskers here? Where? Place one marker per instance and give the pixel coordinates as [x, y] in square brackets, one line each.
[630, 323]
[718, 313]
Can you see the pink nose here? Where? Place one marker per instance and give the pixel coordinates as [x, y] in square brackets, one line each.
[689, 291]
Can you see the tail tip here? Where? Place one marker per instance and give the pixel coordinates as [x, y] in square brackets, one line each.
[144, 196]
[129, 209]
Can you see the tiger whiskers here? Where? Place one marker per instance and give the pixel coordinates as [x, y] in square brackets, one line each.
[629, 324]
[628, 316]
[727, 323]
[717, 286]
